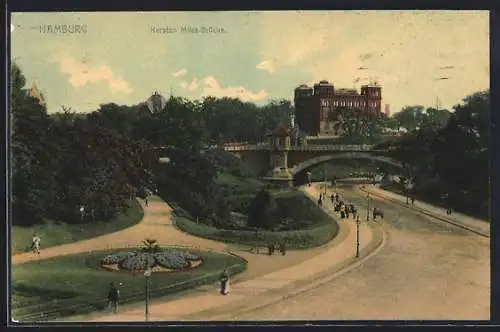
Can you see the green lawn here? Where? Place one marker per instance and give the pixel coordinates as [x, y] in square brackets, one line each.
[55, 233]
[239, 186]
[77, 285]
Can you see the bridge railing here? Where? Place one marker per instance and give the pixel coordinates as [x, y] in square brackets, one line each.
[339, 147]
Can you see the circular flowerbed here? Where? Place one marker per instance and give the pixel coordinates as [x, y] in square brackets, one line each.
[161, 261]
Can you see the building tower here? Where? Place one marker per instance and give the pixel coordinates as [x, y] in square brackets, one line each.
[279, 143]
[156, 102]
[372, 94]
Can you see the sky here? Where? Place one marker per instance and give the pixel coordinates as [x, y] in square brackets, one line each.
[123, 57]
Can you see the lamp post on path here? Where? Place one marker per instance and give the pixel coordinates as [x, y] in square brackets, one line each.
[357, 236]
[368, 207]
[324, 171]
[147, 274]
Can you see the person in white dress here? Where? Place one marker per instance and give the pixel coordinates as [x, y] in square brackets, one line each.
[35, 244]
[224, 283]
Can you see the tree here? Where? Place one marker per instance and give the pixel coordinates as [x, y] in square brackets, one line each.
[262, 212]
[410, 117]
[453, 158]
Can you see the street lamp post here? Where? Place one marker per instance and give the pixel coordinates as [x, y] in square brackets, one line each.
[147, 274]
[368, 207]
[324, 171]
[357, 236]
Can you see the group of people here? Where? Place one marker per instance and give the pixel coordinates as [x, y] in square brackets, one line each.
[271, 248]
[345, 209]
[114, 295]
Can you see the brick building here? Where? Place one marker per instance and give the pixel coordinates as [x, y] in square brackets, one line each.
[319, 109]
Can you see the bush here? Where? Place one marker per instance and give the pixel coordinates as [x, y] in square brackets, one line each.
[262, 211]
[139, 261]
[116, 258]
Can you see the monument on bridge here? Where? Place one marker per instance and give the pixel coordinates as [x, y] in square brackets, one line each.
[279, 144]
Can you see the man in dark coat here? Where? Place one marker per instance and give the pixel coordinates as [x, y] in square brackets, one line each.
[113, 296]
[282, 248]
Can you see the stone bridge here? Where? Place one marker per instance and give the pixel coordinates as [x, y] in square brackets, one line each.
[279, 161]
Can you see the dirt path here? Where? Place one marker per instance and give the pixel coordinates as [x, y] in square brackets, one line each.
[157, 224]
[205, 303]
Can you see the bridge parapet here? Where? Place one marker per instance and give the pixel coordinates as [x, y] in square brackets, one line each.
[337, 147]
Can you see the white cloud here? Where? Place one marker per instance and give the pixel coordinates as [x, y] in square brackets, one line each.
[287, 39]
[212, 88]
[191, 86]
[267, 65]
[82, 74]
[180, 73]
[406, 61]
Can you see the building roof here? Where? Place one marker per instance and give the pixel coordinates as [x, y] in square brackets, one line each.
[323, 82]
[33, 92]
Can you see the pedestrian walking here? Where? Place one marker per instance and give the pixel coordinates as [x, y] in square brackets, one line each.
[113, 296]
[413, 201]
[35, 244]
[146, 200]
[282, 249]
[354, 211]
[332, 198]
[224, 283]
[270, 249]
[82, 212]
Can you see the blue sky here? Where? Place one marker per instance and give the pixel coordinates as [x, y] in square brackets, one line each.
[259, 56]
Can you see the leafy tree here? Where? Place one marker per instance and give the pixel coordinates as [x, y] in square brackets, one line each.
[453, 158]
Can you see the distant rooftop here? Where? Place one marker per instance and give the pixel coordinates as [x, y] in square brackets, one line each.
[33, 92]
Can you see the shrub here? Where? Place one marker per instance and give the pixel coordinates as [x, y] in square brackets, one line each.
[132, 261]
[116, 258]
[298, 239]
[175, 260]
[139, 262]
[262, 212]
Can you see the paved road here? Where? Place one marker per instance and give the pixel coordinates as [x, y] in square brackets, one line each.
[426, 270]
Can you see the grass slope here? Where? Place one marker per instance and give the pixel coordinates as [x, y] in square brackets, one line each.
[317, 227]
[55, 233]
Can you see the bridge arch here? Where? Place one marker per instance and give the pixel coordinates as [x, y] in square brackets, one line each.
[348, 155]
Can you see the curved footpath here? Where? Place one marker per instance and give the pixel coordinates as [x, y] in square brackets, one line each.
[267, 279]
[206, 303]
